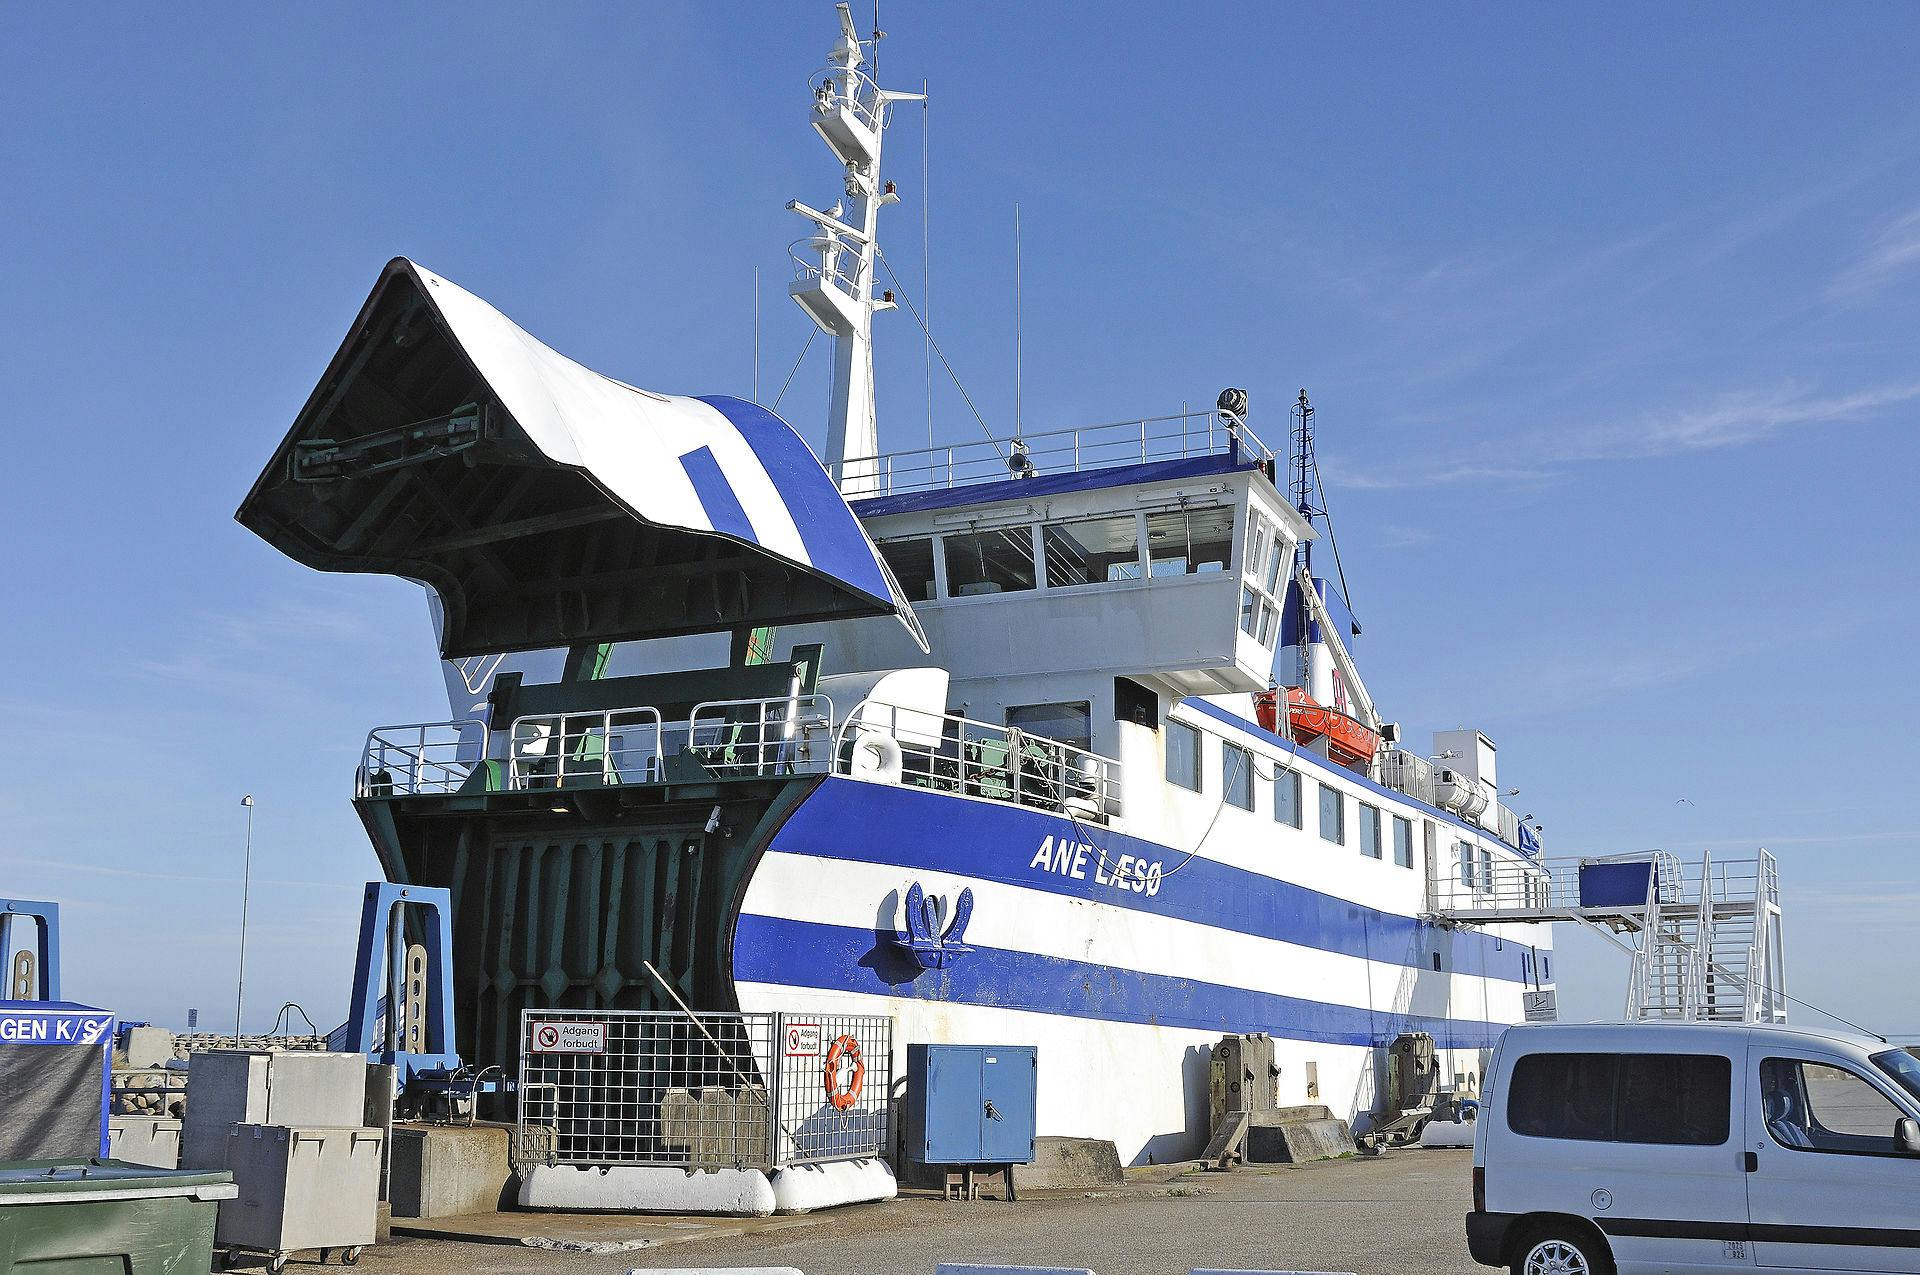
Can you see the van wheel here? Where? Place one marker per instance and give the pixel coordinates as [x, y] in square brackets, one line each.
[1561, 1252]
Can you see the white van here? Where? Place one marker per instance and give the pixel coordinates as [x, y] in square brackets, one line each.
[1646, 1147]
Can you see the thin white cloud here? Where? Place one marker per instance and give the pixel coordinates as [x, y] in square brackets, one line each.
[1893, 252]
[1735, 419]
[1731, 420]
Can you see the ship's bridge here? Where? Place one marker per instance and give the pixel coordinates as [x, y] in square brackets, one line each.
[1155, 548]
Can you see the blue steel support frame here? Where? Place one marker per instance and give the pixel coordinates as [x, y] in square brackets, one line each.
[382, 951]
[46, 918]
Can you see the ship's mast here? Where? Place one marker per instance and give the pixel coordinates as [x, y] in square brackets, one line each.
[1302, 491]
[836, 264]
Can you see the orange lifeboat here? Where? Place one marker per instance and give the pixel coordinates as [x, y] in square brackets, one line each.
[1349, 741]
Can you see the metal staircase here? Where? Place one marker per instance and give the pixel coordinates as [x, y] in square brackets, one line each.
[1704, 939]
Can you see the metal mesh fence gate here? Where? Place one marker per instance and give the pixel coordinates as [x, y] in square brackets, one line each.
[702, 1091]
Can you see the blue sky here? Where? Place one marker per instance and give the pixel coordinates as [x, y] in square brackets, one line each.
[1608, 313]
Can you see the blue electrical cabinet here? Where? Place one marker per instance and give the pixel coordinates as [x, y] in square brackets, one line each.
[971, 1104]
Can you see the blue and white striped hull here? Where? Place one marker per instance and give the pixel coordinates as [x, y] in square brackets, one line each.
[1123, 984]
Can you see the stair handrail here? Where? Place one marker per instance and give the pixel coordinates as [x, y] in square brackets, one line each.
[1702, 954]
[1639, 978]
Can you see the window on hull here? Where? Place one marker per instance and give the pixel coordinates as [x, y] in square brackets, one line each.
[1286, 797]
[1333, 816]
[1236, 775]
[1183, 755]
[1070, 723]
[1369, 831]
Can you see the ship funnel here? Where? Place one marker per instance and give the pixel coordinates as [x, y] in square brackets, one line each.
[548, 505]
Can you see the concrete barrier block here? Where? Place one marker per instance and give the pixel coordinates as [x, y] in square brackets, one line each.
[802, 1188]
[448, 1170]
[1069, 1163]
[647, 1189]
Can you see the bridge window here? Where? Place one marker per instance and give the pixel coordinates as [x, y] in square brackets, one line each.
[1092, 551]
[1183, 755]
[1184, 542]
[1333, 816]
[1286, 797]
[912, 563]
[1369, 831]
[1236, 775]
[985, 562]
[1403, 841]
[1259, 607]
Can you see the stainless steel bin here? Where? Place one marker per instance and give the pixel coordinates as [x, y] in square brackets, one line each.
[301, 1187]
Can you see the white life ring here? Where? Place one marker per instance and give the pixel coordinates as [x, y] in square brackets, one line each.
[876, 758]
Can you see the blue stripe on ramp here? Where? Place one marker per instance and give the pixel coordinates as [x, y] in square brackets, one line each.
[716, 495]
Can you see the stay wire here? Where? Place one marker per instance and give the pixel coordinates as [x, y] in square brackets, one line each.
[796, 367]
[1333, 541]
[926, 242]
[944, 361]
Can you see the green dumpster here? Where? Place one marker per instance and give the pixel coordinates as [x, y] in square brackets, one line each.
[103, 1217]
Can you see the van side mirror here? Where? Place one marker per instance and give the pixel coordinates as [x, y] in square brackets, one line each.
[1906, 1135]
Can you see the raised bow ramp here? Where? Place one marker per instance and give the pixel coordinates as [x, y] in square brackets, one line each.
[548, 505]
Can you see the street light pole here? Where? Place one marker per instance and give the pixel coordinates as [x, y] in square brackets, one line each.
[246, 889]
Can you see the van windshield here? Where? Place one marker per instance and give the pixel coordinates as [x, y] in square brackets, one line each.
[1903, 1067]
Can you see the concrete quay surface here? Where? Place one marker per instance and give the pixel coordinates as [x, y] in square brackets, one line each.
[1381, 1216]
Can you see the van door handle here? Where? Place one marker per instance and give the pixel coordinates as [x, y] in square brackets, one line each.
[1751, 1161]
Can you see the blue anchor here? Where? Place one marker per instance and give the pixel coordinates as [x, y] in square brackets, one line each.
[930, 948]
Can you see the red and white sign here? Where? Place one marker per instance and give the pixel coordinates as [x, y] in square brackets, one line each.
[567, 1038]
[803, 1040]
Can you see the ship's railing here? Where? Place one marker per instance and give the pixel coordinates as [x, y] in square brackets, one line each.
[1407, 772]
[789, 735]
[884, 743]
[779, 735]
[1413, 775]
[1471, 880]
[855, 90]
[559, 750]
[826, 257]
[1738, 881]
[1131, 442]
[420, 758]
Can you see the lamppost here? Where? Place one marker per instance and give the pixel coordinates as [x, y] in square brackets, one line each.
[246, 889]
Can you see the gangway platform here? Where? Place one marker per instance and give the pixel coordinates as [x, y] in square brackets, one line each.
[1704, 937]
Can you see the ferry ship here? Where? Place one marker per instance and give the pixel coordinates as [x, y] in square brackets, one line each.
[1056, 739]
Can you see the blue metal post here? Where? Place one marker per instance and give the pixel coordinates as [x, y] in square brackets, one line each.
[46, 918]
[380, 962]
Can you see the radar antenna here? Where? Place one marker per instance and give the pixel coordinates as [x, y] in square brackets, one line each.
[834, 272]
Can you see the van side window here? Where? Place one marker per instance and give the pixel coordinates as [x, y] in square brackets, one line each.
[1813, 1107]
[1675, 1099]
[1664, 1099]
[1563, 1096]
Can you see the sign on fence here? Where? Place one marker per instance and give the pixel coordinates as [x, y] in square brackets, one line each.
[803, 1040]
[548, 1037]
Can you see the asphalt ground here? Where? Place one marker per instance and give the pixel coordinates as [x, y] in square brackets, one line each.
[1401, 1212]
